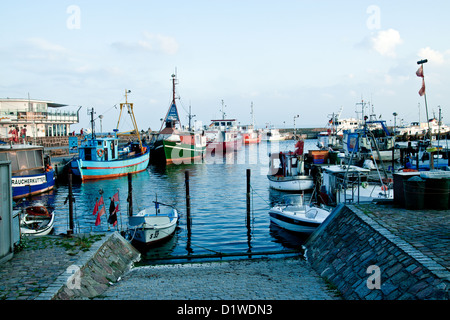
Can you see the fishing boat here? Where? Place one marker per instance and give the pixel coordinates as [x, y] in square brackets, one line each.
[372, 141]
[353, 184]
[148, 227]
[102, 157]
[271, 134]
[223, 136]
[428, 157]
[332, 137]
[36, 221]
[31, 170]
[298, 217]
[288, 172]
[248, 132]
[174, 145]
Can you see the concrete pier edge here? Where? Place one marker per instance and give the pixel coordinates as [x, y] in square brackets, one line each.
[105, 262]
[349, 241]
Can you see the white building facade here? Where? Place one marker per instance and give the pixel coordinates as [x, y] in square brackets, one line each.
[34, 118]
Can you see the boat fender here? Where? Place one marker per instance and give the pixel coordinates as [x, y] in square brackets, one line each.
[100, 152]
[364, 184]
[409, 170]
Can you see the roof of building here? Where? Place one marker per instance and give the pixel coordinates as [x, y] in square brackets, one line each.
[50, 104]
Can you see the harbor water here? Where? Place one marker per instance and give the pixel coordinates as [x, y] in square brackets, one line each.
[217, 198]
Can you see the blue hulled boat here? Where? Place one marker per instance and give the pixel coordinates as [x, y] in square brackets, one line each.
[31, 171]
[101, 157]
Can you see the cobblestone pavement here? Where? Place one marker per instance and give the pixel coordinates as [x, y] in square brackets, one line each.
[426, 230]
[36, 266]
[257, 279]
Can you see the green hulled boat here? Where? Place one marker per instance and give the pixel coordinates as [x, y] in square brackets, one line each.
[173, 145]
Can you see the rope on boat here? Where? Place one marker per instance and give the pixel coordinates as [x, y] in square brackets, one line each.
[254, 192]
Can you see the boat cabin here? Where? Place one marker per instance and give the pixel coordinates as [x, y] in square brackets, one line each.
[100, 149]
[25, 159]
[223, 124]
[286, 164]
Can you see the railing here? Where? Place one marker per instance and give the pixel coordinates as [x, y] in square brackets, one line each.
[61, 116]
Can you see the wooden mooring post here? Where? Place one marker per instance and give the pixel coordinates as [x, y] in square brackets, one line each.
[248, 193]
[70, 199]
[188, 201]
[130, 196]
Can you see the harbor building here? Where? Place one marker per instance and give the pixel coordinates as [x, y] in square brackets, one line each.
[25, 120]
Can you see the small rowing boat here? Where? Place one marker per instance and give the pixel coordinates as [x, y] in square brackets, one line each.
[36, 221]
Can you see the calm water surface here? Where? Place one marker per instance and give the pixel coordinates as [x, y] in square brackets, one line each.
[218, 203]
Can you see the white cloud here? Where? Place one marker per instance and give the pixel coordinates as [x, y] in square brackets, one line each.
[45, 45]
[433, 56]
[151, 42]
[386, 41]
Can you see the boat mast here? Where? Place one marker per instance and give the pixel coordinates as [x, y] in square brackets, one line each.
[133, 119]
[253, 116]
[91, 111]
[172, 116]
[223, 113]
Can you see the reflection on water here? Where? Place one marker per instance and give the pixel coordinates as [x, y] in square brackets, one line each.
[218, 203]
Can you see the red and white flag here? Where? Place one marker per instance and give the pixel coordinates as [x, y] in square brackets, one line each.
[100, 202]
[419, 71]
[100, 213]
[95, 208]
[116, 197]
[422, 90]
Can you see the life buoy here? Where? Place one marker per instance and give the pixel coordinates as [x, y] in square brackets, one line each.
[100, 152]
[384, 187]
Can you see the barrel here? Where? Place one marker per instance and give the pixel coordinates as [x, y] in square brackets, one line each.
[414, 193]
[437, 193]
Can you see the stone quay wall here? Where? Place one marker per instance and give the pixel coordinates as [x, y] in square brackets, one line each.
[95, 271]
[365, 261]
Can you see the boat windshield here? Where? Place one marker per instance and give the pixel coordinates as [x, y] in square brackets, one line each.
[293, 200]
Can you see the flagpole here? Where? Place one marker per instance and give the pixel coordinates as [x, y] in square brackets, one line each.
[421, 63]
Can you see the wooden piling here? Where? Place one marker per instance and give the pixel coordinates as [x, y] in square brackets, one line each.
[130, 196]
[248, 191]
[188, 200]
[70, 198]
[393, 159]
[417, 158]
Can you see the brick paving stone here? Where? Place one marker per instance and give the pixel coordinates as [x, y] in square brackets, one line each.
[426, 230]
[34, 268]
[260, 279]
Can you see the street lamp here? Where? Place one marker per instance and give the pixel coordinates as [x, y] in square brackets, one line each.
[295, 130]
[101, 117]
[395, 124]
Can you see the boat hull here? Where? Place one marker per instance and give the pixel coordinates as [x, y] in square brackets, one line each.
[291, 183]
[93, 170]
[28, 185]
[151, 228]
[177, 152]
[251, 139]
[386, 155]
[223, 147]
[297, 221]
[46, 228]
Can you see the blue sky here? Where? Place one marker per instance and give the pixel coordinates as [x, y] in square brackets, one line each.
[305, 58]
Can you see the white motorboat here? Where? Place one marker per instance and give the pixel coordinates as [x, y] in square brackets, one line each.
[149, 227]
[36, 221]
[298, 217]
